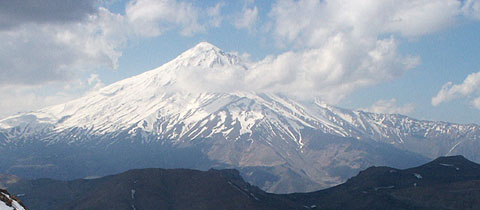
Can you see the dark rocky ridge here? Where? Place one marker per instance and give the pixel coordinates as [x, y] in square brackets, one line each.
[445, 183]
[10, 200]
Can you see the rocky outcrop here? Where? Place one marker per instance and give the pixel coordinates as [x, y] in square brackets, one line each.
[10, 202]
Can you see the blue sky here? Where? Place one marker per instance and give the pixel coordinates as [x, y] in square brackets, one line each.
[391, 57]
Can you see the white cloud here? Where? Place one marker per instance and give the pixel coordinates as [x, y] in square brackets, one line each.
[150, 18]
[17, 98]
[95, 81]
[390, 107]
[154, 17]
[27, 98]
[215, 14]
[420, 17]
[33, 54]
[342, 45]
[332, 71]
[471, 8]
[469, 88]
[44, 53]
[311, 22]
[247, 19]
[476, 102]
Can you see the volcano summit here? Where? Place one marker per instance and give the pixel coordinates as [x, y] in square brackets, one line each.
[278, 143]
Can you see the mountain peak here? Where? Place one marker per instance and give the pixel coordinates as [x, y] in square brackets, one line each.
[206, 46]
[206, 55]
[457, 160]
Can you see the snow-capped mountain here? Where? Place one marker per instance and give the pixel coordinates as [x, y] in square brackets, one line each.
[279, 143]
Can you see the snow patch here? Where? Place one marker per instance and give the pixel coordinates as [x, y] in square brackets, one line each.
[15, 204]
[450, 165]
[418, 176]
[447, 165]
[132, 192]
[255, 197]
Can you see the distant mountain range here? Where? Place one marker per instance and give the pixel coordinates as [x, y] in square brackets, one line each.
[278, 143]
[445, 183]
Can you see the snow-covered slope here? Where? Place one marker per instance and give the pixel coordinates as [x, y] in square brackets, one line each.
[7, 202]
[279, 131]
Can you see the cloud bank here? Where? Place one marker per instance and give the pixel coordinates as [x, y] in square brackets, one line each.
[346, 45]
[336, 47]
